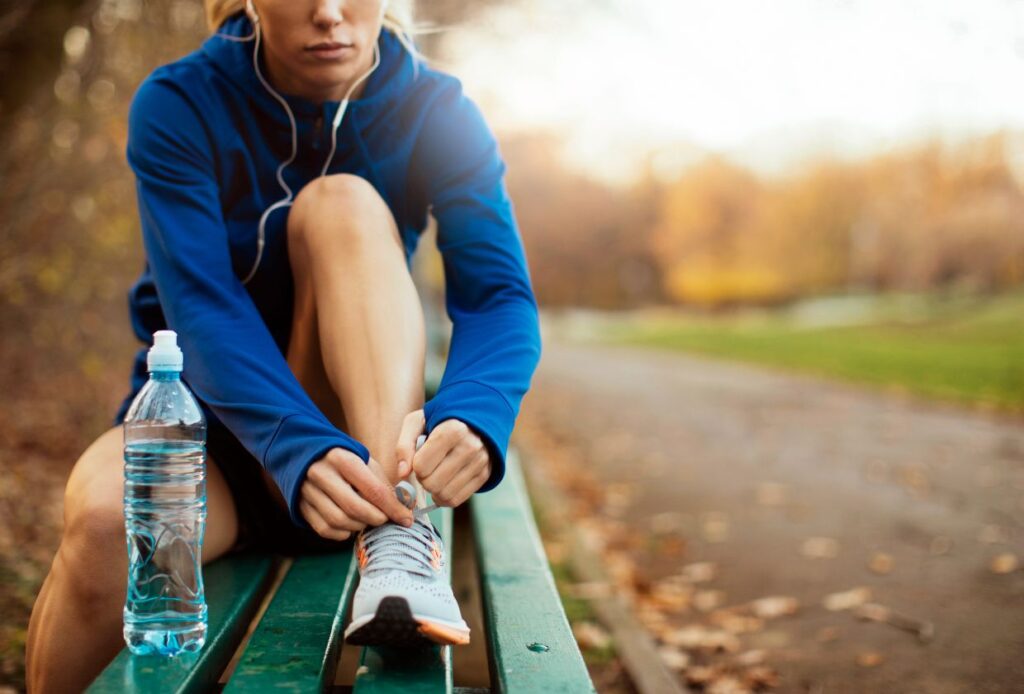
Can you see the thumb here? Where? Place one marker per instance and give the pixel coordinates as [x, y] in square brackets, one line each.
[412, 426]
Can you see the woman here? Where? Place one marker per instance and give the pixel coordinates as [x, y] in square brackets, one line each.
[284, 175]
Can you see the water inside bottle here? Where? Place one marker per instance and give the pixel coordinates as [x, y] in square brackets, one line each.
[165, 514]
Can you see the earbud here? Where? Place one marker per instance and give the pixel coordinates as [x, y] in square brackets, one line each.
[252, 9]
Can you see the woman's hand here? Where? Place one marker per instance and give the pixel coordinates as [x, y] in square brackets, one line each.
[452, 463]
[342, 495]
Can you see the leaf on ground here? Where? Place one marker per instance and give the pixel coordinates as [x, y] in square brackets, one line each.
[736, 623]
[674, 658]
[714, 526]
[728, 684]
[751, 657]
[707, 600]
[1004, 563]
[881, 563]
[591, 635]
[698, 637]
[774, 606]
[847, 599]
[761, 677]
[700, 572]
[870, 659]
[820, 548]
[672, 595]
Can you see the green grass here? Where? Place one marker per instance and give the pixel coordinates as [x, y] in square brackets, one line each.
[955, 350]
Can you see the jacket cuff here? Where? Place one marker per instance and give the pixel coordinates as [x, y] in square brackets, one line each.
[300, 441]
[485, 411]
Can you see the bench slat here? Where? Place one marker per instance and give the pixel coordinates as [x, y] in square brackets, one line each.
[234, 586]
[296, 644]
[529, 638]
[389, 669]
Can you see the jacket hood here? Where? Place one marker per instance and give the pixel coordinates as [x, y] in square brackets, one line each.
[397, 71]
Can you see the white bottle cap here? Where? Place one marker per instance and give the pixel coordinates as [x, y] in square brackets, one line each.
[165, 355]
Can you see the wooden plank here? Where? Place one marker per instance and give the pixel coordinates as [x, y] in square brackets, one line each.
[295, 646]
[530, 642]
[393, 669]
[234, 586]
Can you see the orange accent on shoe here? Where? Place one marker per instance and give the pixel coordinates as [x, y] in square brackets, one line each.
[445, 635]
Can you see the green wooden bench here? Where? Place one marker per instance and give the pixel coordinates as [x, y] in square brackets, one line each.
[296, 643]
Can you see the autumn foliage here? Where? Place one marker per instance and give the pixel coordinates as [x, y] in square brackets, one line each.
[931, 217]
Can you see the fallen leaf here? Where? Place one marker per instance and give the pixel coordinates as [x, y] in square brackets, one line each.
[752, 657]
[674, 658]
[774, 606]
[672, 594]
[701, 675]
[874, 612]
[591, 635]
[820, 548]
[847, 599]
[707, 600]
[736, 623]
[728, 684]
[881, 563]
[695, 636]
[1004, 563]
[714, 526]
[869, 659]
[699, 572]
[761, 677]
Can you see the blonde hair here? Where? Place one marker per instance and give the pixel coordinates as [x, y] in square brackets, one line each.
[398, 19]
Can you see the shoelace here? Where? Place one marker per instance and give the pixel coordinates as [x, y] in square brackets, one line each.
[393, 546]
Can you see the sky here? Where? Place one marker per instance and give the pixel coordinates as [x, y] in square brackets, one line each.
[771, 83]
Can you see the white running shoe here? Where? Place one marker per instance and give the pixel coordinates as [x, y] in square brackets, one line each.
[404, 596]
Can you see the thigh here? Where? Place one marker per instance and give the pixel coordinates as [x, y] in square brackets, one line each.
[95, 491]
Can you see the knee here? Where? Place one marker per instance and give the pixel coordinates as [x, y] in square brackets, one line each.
[92, 556]
[340, 206]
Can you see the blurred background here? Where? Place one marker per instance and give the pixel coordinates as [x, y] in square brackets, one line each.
[779, 249]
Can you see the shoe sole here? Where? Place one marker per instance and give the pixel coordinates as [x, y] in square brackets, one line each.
[393, 624]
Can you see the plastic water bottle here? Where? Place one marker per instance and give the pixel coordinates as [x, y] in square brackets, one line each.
[165, 509]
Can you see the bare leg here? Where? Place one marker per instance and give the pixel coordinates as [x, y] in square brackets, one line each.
[358, 323]
[75, 629]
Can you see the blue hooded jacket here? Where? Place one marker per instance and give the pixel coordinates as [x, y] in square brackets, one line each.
[205, 139]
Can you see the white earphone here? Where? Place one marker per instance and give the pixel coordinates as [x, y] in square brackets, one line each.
[287, 200]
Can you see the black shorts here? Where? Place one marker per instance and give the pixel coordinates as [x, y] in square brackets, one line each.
[262, 523]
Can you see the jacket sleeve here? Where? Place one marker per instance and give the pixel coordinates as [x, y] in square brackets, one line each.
[231, 359]
[495, 343]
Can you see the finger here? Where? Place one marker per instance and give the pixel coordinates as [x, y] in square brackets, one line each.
[331, 482]
[319, 525]
[374, 490]
[444, 437]
[471, 486]
[412, 426]
[454, 473]
[328, 510]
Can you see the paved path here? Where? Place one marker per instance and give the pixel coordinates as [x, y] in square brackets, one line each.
[750, 464]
